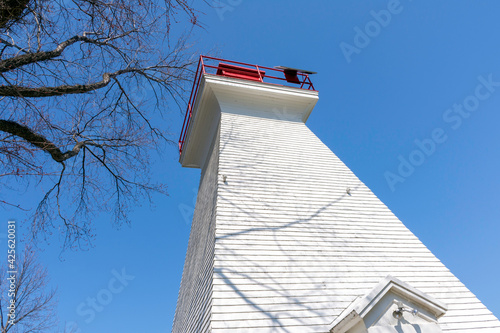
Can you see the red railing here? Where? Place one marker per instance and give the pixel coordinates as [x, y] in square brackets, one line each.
[215, 66]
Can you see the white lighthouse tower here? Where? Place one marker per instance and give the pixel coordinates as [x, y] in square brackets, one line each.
[285, 238]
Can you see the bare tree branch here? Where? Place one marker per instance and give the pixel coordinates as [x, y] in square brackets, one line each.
[39, 141]
[30, 58]
[34, 303]
[18, 91]
[11, 11]
[84, 87]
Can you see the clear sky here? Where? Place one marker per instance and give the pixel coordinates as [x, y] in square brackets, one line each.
[429, 71]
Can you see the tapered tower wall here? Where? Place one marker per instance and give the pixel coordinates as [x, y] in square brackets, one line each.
[194, 303]
[285, 238]
[294, 249]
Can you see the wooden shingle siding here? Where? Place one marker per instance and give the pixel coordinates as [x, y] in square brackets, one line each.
[194, 303]
[293, 249]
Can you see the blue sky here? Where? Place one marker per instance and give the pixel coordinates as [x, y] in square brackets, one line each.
[429, 72]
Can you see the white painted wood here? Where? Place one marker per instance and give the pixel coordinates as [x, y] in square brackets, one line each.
[194, 303]
[290, 249]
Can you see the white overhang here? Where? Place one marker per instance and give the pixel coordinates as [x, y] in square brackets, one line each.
[218, 94]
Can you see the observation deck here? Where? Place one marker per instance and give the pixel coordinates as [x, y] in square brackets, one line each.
[279, 76]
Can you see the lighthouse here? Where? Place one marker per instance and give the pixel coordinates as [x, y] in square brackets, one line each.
[284, 237]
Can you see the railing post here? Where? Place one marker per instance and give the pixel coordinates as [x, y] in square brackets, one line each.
[258, 71]
[202, 65]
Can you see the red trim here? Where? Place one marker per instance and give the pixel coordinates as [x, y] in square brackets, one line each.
[239, 70]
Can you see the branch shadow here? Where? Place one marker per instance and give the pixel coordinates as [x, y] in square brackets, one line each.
[245, 209]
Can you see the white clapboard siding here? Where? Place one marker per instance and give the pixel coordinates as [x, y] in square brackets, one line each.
[293, 249]
[194, 304]
[277, 244]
